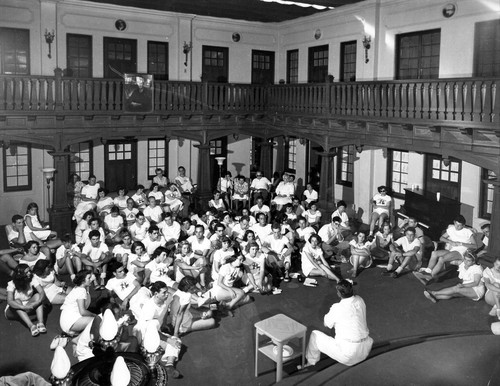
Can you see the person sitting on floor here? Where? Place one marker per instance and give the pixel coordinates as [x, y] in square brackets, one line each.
[154, 239]
[224, 291]
[360, 253]
[352, 342]
[121, 199]
[34, 226]
[312, 215]
[260, 207]
[94, 225]
[309, 195]
[173, 198]
[345, 226]
[122, 251]
[313, 262]
[96, 256]
[407, 252]
[459, 240]
[279, 251]
[160, 268]
[491, 280]
[485, 228]
[160, 179]
[217, 202]
[32, 254]
[190, 264]
[137, 261]
[154, 191]
[139, 197]
[122, 286]
[104, 203]
[380, 247]
[256, 261]
[334, 246]
[471, 286]
[170, 229]
[262, 229]
[153, 212]
[129, 212]
[113, 225]
[74, 312]
[25, 297]
[139, 229]
[302, 233]
[183, 311]
[55, 290]
[82, 226]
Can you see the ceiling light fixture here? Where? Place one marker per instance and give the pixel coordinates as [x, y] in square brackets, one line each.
[299, 4]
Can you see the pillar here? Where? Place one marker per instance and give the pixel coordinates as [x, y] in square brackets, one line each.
[60, 213]
[494, 242]
[266, 158]
[327, 182]
[279, 164]
[204, 175]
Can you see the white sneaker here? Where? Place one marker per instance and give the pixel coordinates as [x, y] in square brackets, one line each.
[493, 311]
[55, 342]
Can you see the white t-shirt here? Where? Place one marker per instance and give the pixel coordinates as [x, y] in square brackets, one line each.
[404, 243]
[260, 183]
[305, 233]
[462, 236]
[113, 223]
[197, 245]
[230, 274]
[344, 218]
[170, 232]
[153, 213]
[94, 253]
[90, 191]
[264, 209]
[121, 287]
[151, 245]
[141, 231]
[276, 245]
[159, 272]
[262, 231]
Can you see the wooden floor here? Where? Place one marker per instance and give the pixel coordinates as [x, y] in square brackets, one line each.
[396, 310]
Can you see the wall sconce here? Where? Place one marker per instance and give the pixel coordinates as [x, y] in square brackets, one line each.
[236, 136]
[49, 39]
[446, 161]
[48, 173]
[366, 43]
[186, 49]
[302, 141]
[359, 148]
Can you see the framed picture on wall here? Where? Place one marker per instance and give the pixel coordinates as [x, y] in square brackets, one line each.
[138, 93]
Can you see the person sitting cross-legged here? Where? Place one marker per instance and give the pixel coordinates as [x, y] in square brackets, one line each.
[279, 251]
[123, 286]
[333, 244]
[352, 342]
[407, 251]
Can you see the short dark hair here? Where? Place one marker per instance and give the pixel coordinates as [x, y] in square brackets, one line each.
[17, 217]
[80, 277]
[459, 218]
[94, 233]
[344, 288]
[411, 229]
[336, 219]
[341, 203]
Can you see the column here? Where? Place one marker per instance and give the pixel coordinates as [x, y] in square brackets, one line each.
[204, 175]
[494, 242]
[327, 182]
[279, 164]
[266, 158]
[60, 214]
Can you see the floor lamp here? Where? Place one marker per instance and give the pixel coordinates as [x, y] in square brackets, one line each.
[48, 173]
[220, 161]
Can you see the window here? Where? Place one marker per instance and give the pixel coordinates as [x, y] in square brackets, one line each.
[157, 156]
[80, 161]
[79, 55]
[418, 55]
[119, 151]
[158, 60]
[487, 49]
[345, 165]
[486, 198]
[120, 57]
[318, 64]
[398, 171]
[348, 61]
[17, 167]
[14, 51]
[291, 153]
[292, 66]
[445, 170]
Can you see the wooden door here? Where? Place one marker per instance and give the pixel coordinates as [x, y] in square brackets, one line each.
[262, 67]
[215, 65]
[417, 55]
[318, 64]
[348, 61]
[120, 165]
[443, 176]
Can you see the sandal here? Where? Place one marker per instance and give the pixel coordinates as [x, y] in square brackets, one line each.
[34, 331]
[41, 328]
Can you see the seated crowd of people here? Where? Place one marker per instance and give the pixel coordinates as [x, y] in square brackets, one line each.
[168, 267]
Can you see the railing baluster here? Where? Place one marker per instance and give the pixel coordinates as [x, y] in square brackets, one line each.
[446, 99]
[473, 100]
[34, 95]
[493, 91]
[482, 101]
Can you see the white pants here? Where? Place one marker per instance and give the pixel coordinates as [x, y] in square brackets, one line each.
[342, 351]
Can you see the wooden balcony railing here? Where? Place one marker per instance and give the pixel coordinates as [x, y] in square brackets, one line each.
[466, 99]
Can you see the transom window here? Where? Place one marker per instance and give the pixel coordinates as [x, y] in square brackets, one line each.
[118, 152]
[157, 156]
[216, 147]
[17, 167]
[80, 161]
[345, 165]
[398, 171]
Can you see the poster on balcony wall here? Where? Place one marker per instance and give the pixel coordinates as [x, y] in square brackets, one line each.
[138, 93]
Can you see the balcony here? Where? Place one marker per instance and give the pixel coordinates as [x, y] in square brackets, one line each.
[466, 100]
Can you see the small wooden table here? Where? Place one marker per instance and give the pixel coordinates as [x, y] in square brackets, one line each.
[281, 330]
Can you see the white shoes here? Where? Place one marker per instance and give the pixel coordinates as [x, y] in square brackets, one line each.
[58, 341]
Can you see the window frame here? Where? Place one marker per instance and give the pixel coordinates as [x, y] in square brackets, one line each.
[343, 57]
[351, 153]
[157, 75]
[292, 67]
[391, 171]
[485, 190]
[482, 36]
[3, 54]
[316, 73]
[90, 57]
[165, 157]
[90, 162]
[18, 188]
